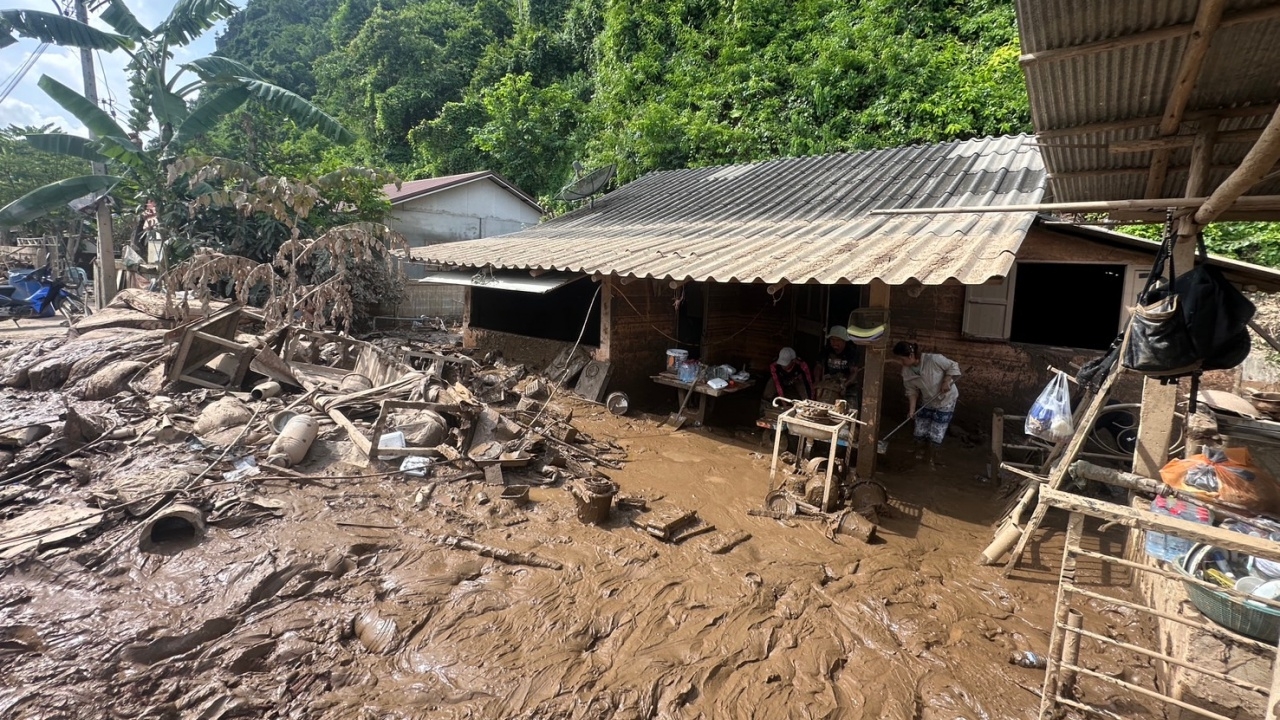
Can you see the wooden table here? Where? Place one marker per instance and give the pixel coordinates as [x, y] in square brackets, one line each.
[707, 394]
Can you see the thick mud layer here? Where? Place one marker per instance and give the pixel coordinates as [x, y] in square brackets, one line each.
[344, 607]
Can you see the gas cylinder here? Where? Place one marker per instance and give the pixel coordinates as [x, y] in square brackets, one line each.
[294, 441]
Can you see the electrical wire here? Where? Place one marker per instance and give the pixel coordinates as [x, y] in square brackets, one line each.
[555, 388]
[22, 71]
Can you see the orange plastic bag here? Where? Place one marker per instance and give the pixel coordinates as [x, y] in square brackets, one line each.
[1226, 476]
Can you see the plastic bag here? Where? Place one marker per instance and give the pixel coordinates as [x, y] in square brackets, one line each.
[1227, 476]
[1050, 416]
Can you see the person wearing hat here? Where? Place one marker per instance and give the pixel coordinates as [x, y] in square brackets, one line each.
[928, 378]
[837, 363]
[789, 377]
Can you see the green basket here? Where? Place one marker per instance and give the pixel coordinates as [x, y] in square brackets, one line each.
[1261, 624]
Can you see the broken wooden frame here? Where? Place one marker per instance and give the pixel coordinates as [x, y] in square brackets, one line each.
[1064, 667]
[204, 340]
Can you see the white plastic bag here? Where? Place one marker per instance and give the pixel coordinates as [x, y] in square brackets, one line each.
[1050, 416]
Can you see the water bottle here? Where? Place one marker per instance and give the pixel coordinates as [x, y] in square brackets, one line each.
[1027, 659]
[1169, 547]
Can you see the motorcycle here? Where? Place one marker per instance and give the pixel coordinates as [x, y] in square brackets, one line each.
[51, 297]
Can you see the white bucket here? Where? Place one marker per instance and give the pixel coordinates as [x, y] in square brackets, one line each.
[675, 357]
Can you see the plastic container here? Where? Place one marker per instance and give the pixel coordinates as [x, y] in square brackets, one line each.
[1028, 659]
[1168, 547]
[688, 371]
[390, 441]
[675, 357]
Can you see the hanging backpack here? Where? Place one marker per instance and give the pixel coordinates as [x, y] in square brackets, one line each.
[1197, 322]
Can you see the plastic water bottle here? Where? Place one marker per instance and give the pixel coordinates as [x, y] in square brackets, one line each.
[1168, 547]
[1027, 659]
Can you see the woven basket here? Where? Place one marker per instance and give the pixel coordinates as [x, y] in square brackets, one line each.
[1261, 624]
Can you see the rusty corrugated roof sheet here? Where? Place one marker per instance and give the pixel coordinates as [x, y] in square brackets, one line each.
[1133, 84]
[801, 220]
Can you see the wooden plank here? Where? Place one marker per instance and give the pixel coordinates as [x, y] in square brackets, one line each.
[1175, 142]
[1147, 520]
[1153, 205]
[873, 388]
[1152, 121]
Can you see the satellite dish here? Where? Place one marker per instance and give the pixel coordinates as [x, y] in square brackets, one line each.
[590, 184]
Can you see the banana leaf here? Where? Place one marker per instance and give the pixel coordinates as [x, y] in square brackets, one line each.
[59, 30]
[64, 144]
[297, 109]
[89, 114]
[54, 196]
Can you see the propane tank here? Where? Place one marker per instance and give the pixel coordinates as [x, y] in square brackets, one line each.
[294, 441]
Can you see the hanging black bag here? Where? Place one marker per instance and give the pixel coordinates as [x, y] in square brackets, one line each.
[1217, 313]
[1160, 343]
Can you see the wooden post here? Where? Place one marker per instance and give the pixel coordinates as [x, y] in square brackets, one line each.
[468, 339]
[606, 320]
[873, 389]
[997, 443]
[1159, 402]
[1208, 17]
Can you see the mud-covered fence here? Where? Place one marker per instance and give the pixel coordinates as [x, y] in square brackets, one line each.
[1066, 670]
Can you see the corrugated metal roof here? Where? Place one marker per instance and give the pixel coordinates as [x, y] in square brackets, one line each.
[1134, 83]
[802, 220]
[414, 189]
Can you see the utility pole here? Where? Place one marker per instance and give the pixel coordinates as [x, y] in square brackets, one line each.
[106, 274]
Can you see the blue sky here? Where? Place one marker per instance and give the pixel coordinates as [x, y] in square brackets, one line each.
[28, 105]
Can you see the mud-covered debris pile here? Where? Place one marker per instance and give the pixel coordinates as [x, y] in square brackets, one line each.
[124, 424]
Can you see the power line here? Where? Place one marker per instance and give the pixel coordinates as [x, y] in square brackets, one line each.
[22, 71]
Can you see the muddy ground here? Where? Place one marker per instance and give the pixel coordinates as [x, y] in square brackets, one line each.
[343, 608]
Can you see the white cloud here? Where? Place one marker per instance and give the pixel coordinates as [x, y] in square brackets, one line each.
[17, 112]
[28, 103]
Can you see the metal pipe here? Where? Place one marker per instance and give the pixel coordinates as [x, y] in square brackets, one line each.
[265, 390]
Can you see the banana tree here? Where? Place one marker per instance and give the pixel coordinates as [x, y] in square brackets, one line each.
[177, 105]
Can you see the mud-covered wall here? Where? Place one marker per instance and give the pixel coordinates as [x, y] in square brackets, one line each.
[637, 327]
[996, 374]
[744, 326]
[537, 353]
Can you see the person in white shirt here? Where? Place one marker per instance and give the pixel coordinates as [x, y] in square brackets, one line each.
[930, 383]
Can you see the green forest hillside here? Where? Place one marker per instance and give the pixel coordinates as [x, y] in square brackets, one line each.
[526, 87]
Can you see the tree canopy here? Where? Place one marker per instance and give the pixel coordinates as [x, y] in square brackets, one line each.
[526, 88]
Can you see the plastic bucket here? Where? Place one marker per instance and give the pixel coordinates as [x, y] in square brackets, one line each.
[675, 357]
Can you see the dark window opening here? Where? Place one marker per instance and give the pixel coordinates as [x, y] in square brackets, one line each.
[557, 315]
[1067, 305]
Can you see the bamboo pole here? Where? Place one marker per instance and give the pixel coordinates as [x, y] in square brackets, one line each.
[1208, 17]
[1067, 578]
